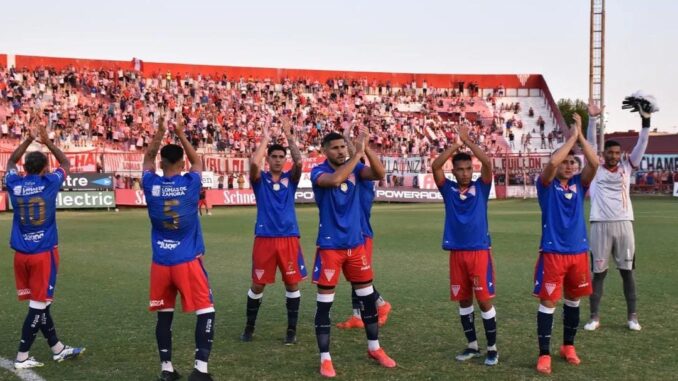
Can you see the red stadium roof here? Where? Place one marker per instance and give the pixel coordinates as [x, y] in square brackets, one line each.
[658, 144]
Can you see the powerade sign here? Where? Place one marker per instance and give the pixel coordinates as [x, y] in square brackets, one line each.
[85, 200]
[88, 181]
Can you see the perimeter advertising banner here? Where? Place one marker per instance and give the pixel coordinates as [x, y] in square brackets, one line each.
[84, 200]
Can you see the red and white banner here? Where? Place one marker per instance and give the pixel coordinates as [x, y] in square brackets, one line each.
[221, 165]
[123, 162]
[80, 161]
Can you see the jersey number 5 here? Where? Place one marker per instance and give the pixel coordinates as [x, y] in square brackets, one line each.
[27, 211]
[167, 210]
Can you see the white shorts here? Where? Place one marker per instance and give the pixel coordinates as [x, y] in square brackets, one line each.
[616, 238]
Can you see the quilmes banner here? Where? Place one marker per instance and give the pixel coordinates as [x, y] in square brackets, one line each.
[88, 181]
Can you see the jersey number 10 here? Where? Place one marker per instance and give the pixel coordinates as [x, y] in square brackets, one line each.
[27, 211]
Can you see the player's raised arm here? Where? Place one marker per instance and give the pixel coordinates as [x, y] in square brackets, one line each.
[594, 112]
[258, 155]
[154, 146]
[19, 151]
[376, 170]
[439, 162]
[193, 158]
[645, 107]
[64, 163]
[294, 150]
[549, 172]
[486, 169]
[592, 161]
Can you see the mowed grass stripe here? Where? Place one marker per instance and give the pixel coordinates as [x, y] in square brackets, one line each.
[103, 286]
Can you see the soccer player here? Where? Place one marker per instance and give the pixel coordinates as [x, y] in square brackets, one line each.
[612, 217]
[367, 193]
[467, 238]
[34, 239]
[276, 242]
[562, 266]
[178, 248]
[341, 242]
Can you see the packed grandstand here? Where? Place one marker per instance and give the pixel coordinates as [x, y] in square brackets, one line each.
[103, 114]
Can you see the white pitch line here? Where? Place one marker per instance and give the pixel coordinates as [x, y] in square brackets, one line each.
[23, 374]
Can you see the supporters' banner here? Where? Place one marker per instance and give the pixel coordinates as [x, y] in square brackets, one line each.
[659, 163]
[82, 181]
[80, 161]
[308, 163]
[3, 201]
[518, 164]
[221, 165]
[82, 200]
[402, 165]
[123, 162]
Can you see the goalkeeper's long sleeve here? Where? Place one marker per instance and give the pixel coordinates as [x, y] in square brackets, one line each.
[641, 145]
[591, 133]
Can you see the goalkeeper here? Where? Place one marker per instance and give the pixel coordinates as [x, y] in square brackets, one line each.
[611, 211]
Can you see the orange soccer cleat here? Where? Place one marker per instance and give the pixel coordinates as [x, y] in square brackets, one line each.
[382, 358]
[544, 364]
[352, 322]
[327, 369]
[384, 310]
[568, 353]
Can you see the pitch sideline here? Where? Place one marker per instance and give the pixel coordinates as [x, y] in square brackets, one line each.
[23, 374]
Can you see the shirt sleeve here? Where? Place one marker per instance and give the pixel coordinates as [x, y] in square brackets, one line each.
[484, 188]
[147, 179]
[56, 177]
[11, 176]
[315, 174]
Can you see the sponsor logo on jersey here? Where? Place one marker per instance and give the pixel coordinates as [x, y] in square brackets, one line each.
[17, 190]
[155, 191]
[34, 236]
[23, 291]
[169, 191]
[168, 244]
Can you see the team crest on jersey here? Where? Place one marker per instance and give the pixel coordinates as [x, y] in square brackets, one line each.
[155, 191]
[455, 289]
[329, 274]
[276, 187]
[343, 187]
[17, 190]
[259, 273]
[550, 287]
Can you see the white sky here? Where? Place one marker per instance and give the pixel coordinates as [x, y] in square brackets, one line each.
[548, 37]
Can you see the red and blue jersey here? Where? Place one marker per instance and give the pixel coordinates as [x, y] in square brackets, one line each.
[466, 226]
[339, 208]
[562, 216]
[275, 206]
[33, 198]
[367, 193]
[176, 235]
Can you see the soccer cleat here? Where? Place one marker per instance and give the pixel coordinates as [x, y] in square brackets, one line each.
[352, 322]
[247, 334]
[592, 325]
[166, 375]
[30, 362]
[327, 369]
[568, 353]
[382, 358]
[467, 354]
[197, 375]
[384, 310]
[491, 358]
[291, 337]
[634, 325]
[67, 353]
[544, 364]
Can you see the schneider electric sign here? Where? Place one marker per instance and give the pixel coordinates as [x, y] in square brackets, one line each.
[80, 199]
[82, 181]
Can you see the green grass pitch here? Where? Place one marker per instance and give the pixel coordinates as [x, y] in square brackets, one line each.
[102, 296]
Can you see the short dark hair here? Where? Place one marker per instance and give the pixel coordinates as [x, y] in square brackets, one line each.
[276, 147]
[611, 143]
[331, 137]
[172, 153]
[461, 156]
[35, 162]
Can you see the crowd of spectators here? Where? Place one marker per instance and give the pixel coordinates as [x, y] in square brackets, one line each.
[118, 109]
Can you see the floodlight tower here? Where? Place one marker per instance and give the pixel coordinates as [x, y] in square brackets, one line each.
[597, 63]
